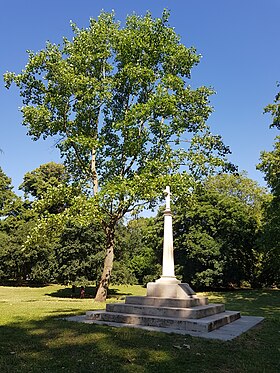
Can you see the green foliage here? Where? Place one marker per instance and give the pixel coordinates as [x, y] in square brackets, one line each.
[271, 244]
[9, 202]
[274, 110]
[18, 264]
[135, 252]
[37, 182]
[119, 99]
[270, 166]
[216, 232]
[122, 274]
[14, 227]
[79, 254]
[217, 237]
[19, 261]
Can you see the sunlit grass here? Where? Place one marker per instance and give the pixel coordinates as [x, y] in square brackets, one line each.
[34, 338]
[29, 303]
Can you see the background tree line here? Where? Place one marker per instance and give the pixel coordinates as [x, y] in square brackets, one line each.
[222, 237]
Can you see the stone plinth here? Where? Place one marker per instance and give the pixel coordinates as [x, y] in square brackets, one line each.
[180, 311]
[167, 302]
[201, 318]
[168, 290]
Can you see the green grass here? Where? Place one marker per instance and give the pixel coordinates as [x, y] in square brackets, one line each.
[34, 339]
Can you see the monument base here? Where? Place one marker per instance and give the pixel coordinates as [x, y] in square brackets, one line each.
[170, 305]
[179, 313]
[164, 289]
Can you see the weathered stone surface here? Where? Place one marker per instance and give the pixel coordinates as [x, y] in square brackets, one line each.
[177, 310]
[169, 290]
[224, 333]
[167, 302]
[206, 324]
[196, 312]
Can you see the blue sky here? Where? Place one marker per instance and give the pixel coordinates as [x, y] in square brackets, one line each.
[239, 42]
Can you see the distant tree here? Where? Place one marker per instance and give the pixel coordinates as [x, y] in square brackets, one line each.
[9, 207]
[274, 110]
[19, 218]
[48, 176]
[12, 236]
[136, 260]
[270, 166]
[79, 254]
[9, 201]
[35, 264]
[37, 182]
[120, 103]
[216, 232]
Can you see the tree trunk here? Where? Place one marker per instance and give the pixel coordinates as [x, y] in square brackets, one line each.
[108, 265]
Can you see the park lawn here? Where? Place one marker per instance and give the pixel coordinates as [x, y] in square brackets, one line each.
[34, 339]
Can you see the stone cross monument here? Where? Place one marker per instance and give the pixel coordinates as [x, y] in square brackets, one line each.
[168, 274]
[168, 285]
[169, 303]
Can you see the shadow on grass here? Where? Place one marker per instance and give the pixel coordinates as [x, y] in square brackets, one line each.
[252, 302]
[90, 292]
[61, 313]
[22, 283]
[55, 345]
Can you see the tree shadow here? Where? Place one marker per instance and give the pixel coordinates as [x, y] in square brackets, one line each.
[56, 345]
[90, 291]
[23, 283]
[67, 292]
[253, 302]
[116, 293]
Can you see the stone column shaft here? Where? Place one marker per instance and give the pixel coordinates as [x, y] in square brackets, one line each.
[168, 272]
[168, 256]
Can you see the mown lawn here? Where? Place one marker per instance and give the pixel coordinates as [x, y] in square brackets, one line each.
[34, 339]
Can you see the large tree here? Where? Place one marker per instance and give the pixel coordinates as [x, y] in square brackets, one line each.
[119, 102]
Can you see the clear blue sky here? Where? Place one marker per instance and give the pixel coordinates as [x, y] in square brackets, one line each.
[239, 42]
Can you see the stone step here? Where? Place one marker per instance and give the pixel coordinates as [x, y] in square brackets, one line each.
[186, 313]
[192, 301]
[205, 324]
